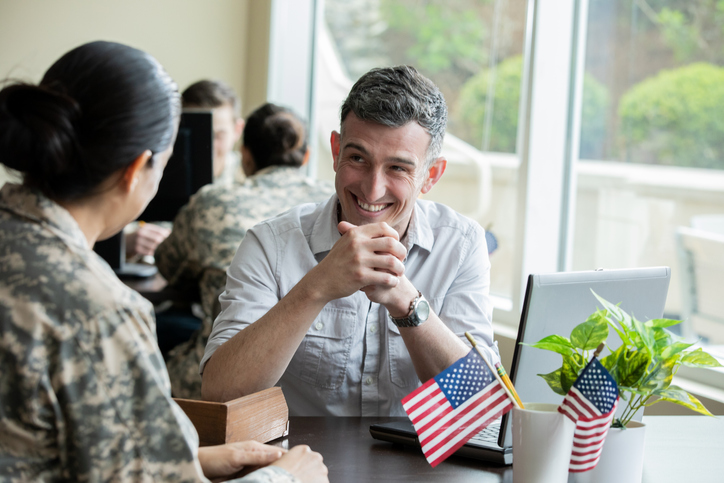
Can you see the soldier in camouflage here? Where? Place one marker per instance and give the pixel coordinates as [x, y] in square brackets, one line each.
[207, 231]
[84, 395]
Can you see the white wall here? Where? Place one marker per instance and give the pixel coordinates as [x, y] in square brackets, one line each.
[193, 39]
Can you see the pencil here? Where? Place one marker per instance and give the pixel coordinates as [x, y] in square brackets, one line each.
[495, 373]
[508, 382]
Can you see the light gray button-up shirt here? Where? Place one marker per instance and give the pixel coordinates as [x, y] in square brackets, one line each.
[353, 361]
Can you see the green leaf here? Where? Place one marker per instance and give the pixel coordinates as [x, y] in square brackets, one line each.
[613, 310]
[591, 333]
[572, 367]
[699, 358]
[624, 389]
[662, 339]
[660, 377]
[554, 343]
[662, 323]
[609, 362]
[636, 340]
[676, 395]
[630, 367]
[622, 334]
[646, 335]
[554, 381]
[675, 348]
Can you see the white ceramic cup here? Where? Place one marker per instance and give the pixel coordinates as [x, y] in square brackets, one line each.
[542, 444]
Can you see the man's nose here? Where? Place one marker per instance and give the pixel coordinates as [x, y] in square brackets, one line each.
[374, 187]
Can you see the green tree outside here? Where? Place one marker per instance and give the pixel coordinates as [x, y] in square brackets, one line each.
[675, 118]
[472, 103]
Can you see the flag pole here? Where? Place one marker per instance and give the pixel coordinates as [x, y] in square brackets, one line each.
[495, 373]
[599, 349]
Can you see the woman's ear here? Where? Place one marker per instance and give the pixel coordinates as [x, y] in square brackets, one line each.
[247, 161]
[133, 171]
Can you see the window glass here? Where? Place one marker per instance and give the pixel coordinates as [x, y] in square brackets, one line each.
[652, 148]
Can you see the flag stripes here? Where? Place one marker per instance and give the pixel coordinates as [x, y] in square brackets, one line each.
[590, 403]
[588, 442]
[449, 409]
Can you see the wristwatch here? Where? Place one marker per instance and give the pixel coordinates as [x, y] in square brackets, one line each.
[419, 312]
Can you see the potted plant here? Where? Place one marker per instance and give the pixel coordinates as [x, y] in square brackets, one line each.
[643, 366]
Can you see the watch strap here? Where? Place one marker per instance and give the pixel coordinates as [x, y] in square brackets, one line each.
[411, 319]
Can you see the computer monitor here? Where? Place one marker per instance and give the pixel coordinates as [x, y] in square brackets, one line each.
[189, 168]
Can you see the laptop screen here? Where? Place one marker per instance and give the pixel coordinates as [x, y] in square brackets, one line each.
[555, 303]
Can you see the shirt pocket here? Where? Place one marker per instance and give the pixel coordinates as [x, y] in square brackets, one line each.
[402, 371]
[322, 357]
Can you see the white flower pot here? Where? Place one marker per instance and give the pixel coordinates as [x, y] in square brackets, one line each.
[622, 458]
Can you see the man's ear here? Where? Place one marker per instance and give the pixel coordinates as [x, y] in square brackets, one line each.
[133, 171]
[434, 174]
[238, 129]
[335, 142]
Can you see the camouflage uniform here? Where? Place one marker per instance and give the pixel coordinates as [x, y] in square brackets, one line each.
[84, 395]
[205, 236]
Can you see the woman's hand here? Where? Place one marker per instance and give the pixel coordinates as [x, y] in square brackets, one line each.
[304, 464]
[228, 459]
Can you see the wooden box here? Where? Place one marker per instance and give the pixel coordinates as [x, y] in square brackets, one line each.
[262, 416]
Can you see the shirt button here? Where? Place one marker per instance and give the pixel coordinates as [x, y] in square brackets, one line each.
[318, 326]
[368, 381]
[373, 329]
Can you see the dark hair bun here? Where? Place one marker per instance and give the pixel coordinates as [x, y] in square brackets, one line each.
[275, 136]
[37, 132]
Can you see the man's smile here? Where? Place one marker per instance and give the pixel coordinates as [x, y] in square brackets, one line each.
[370, 207]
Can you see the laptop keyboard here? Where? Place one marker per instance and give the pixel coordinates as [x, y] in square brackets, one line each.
[489, 434]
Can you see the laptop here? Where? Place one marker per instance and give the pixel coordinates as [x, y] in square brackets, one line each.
[554, 304]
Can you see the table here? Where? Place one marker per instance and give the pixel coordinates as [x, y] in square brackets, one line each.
[678, 448]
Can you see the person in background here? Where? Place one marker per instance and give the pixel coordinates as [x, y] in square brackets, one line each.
[228, 125]
[351, 303]
[207, 231]
[224, 104]
[84, 394]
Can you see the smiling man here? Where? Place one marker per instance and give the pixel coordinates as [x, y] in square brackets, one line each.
[349, 304]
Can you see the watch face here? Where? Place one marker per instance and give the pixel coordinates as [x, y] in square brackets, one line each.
[422, 310]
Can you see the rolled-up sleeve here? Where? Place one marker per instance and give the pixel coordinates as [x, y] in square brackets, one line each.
[251, 288]
[466, 306]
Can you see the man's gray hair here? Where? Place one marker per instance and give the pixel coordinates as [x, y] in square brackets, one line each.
[394, 96]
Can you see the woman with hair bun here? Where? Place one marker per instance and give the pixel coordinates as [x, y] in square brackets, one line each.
[202, 243]
[84, 394]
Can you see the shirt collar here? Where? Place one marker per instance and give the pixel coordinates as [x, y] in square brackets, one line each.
[419, 232]
[325, 234]
[32, 204]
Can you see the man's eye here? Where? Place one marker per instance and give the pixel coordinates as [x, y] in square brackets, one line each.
[398, 168]
[355, 158]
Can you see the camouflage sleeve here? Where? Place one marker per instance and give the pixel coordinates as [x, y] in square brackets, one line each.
[176, 257]
[212, 283]
[269, 474]
[95, 404]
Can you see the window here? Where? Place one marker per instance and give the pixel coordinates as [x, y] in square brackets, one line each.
[652, 146]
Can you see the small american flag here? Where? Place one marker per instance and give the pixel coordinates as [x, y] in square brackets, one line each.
[453, 406]
[591, 404]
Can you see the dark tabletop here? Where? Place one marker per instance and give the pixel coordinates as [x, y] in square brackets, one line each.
[678, 448]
